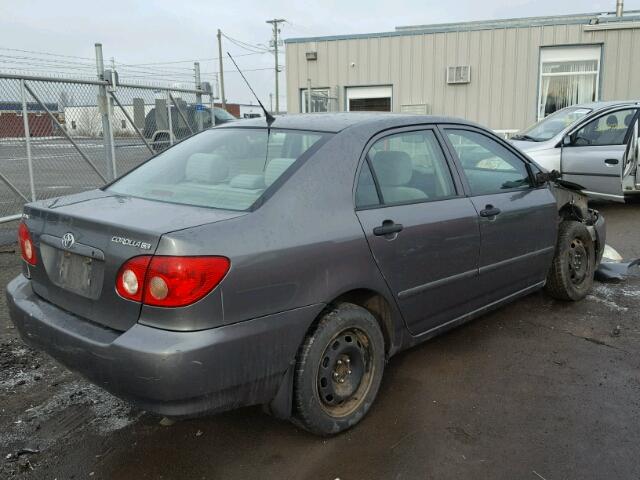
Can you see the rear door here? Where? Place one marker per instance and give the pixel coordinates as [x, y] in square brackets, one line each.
[422, 230]
[518, 220]
[596, 153]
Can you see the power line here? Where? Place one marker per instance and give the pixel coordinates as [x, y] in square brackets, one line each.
[247, 46]
[211, 59]
[45, 53]
[203, 73]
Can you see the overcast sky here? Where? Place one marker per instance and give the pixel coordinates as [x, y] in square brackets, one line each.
[136, 32]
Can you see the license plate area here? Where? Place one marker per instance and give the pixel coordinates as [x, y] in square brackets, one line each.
[80, 274]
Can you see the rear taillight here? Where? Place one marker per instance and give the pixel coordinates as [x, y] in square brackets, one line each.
[27, 248]
[130, 280]
[164, 281]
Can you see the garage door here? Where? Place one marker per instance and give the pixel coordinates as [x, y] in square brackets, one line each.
[369, 99]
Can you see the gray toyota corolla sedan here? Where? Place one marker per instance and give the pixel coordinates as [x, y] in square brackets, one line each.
[284, 266]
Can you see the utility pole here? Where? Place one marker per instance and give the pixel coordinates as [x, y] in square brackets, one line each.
[222, 99]
[275, 23]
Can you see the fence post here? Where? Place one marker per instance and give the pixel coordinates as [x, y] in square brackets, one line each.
[27, 138]
[199, 106]
[105, 111]
[169, 119]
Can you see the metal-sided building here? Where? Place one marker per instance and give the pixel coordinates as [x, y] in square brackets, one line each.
[504, 74]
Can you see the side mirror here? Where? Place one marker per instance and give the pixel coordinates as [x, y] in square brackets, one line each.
[544, 177]
[567, 140]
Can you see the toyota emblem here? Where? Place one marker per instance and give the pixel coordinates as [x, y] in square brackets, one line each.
[68, 240]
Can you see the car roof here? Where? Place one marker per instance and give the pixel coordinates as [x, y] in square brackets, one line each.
[605, 104]
[336, 122]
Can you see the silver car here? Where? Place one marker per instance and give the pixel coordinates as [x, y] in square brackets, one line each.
[593, 145]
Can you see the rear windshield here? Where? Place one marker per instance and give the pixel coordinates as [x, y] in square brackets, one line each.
[228, 168]
[223, 114]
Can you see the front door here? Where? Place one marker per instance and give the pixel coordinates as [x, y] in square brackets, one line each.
[518, 220]
[422, 231]
[595, 155]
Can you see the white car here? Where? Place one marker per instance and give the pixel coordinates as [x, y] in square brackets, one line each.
[594, 145]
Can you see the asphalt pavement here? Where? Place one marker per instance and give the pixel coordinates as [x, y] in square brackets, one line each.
[539, 389]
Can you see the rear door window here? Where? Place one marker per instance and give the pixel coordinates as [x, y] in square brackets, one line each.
[228, 168]
[409, 167]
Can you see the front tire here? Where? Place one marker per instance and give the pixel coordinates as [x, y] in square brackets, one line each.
[573, 267]
[339, 370]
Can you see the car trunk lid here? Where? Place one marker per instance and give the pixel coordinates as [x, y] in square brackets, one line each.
[83, 240]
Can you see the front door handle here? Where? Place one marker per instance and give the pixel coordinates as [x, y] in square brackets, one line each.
[490, 211]
[388, 227]
[612, 161]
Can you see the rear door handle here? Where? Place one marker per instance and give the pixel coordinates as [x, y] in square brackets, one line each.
[388, 227]
[612, 161]
[490, 211]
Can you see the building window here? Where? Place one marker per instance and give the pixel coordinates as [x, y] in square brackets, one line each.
[369, 99]
[568, 76]
[124, 124]
[73, 124]
[319, 100]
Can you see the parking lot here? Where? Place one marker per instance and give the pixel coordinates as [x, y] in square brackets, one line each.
[539, 389]
[58, 167]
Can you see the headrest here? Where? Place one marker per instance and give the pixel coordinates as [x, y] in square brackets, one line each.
[393, 168]
[628, 118]
[612, 121]
[206, 168]
[247, 181]
[275, 168]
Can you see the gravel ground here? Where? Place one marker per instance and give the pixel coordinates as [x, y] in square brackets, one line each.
[538, 389]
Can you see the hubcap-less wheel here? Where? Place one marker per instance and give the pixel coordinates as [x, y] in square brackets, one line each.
[345, 372]
[578, 261]
[338, 370]
[571, 274]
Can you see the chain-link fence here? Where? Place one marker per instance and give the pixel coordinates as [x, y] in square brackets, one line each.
[61, 136]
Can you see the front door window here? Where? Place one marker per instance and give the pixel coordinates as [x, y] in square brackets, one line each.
[609, 129]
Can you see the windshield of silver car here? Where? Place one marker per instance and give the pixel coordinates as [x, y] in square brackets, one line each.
[227, 168]
[549, 127]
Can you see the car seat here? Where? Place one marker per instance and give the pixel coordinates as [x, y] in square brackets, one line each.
[394, 170]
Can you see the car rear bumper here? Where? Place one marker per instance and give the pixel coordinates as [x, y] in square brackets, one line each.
[167, 372]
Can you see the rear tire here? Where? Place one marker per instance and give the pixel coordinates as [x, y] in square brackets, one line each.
[339, 370]
[573, 267]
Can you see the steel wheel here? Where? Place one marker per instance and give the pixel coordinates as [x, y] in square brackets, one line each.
[338, 370]
[578, 261]
[571, 274]
[345, 372]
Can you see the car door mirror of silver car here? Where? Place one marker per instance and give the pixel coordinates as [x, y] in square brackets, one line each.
[567, 141]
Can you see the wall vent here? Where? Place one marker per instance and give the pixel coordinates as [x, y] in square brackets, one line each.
[416, 108]
[459, 74]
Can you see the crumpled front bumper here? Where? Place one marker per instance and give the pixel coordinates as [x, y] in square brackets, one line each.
[600, 231]
[167, 372]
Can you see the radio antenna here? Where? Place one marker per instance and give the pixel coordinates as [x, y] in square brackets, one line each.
[270, 118]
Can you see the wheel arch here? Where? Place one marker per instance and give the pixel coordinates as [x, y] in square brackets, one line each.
[570, 211]
[380, 307]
